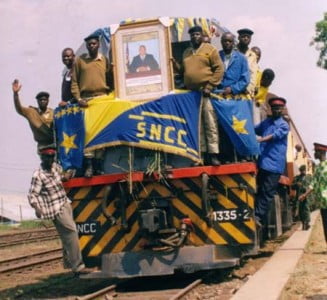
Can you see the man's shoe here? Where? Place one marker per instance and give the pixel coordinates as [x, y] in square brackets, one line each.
[99, 172]
[88, 172]
[306, 226]
[258, 223]
[168, 167]
[215, 161]
[83, 271]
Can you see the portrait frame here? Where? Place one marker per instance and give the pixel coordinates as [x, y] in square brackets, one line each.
[143, 79]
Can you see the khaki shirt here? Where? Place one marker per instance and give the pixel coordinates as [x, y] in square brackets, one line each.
[202, 68]
[253, 66]
[40, 123]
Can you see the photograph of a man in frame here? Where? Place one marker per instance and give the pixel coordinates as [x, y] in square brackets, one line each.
[143, 62]
[142, 53]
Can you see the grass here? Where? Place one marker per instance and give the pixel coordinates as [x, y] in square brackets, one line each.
[29, 224]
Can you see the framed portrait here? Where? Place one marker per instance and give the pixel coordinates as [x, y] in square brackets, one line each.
[141, 58]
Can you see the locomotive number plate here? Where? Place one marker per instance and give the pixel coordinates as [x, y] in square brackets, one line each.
[228, 215]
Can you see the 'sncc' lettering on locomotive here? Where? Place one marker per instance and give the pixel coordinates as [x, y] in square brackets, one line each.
[168, 134]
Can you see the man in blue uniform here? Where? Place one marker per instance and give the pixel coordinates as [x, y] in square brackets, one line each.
[272, 134]
[237, 74]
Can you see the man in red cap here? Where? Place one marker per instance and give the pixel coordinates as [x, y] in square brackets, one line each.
[48, 197]
[272, 134]
[319, 184]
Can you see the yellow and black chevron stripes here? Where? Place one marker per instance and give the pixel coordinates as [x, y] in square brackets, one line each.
[87, 208]
[227, 195]
[184, 197]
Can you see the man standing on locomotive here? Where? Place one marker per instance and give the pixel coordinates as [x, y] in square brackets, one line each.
[68, 59]
[39, 118]
[203, 70]
[237, 75]
[90, 78]
[244, 37]
[272, 134]
[48, 197]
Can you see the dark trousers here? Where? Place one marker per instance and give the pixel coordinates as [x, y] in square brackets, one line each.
[323, 212]
[267, 183]
[304, 211]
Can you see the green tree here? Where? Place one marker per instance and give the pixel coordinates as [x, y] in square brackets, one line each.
[320, 41]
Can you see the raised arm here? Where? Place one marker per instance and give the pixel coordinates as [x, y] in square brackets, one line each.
[16, 86]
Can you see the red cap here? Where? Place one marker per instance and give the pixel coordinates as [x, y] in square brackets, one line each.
[277, 101]
[320, 147]
[48, 151]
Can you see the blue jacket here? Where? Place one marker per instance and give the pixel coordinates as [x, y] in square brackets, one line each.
[237, 74]
[273, 152]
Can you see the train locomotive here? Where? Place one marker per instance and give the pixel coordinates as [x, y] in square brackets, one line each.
[143, 219]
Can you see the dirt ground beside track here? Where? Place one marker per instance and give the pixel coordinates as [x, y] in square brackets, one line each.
[309, 279]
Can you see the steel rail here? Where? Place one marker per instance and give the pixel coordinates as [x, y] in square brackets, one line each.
[31, 260]
[103, 292]
[185, 290]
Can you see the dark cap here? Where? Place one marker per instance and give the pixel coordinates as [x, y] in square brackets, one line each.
[195, 28]
[245, 31]
[320, 147]
[277, 101]
[94, 35]
[42, 94]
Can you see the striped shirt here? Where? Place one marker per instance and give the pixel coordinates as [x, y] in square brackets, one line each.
[47, 191]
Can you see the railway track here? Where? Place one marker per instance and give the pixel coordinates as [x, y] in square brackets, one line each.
[191, 290]
[8, 240]
[18, 264]
[171, 294]
[216, 284]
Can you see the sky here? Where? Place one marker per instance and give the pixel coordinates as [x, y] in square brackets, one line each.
[34, 32]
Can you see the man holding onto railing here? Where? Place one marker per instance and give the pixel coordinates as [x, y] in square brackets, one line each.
[48, 197]
[203, 70]
[90, 78]
[272, 134]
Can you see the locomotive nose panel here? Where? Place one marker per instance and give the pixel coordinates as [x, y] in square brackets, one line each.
[187, 222]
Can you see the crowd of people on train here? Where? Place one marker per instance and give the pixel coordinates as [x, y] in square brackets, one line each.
[232, 71]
